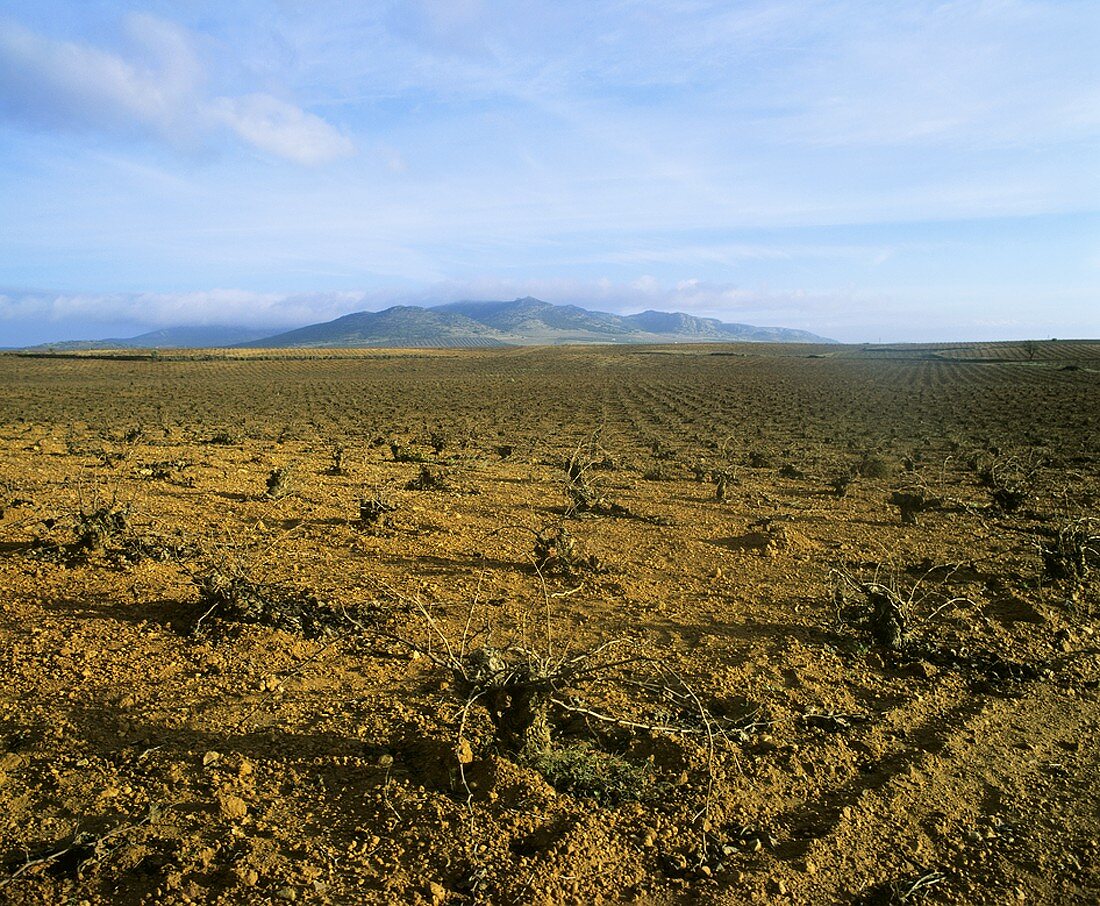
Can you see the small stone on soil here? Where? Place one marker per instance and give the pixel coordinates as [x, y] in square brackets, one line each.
[234, 807]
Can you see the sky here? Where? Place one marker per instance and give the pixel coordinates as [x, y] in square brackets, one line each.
[868, 171]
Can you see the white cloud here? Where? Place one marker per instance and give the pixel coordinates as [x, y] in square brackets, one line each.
[155, 88]
[281, 129]
[67, 84]
[229, 307]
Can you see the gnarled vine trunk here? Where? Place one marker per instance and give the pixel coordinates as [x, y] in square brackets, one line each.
[516, 696]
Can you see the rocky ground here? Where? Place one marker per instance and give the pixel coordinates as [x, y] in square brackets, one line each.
[821, 627]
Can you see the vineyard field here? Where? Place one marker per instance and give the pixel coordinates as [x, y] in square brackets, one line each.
[694, 623]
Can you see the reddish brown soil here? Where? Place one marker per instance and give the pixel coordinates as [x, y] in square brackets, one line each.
[141, 761]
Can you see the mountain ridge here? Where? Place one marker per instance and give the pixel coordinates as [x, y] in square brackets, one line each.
[188, 336]
[521, 322]
[526, 321]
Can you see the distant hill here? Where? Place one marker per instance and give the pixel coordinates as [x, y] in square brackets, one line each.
[526, 321]
[402, 325]
[195, 337]
[689, 327]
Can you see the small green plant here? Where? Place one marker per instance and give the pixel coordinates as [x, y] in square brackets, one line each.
[585, 771]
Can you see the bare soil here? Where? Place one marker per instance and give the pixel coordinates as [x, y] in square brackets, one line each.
[223, 686]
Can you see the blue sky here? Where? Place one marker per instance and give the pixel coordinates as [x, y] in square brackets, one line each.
[868, 171]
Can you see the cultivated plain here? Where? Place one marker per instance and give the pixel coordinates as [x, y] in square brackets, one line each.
[790, 624]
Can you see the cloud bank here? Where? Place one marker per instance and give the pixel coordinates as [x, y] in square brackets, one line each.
[31, 317]
[157, 88]
[147, 311]
[227, 307]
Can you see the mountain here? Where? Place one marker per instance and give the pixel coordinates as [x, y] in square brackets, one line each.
[402, 325]
[533, 318]
[194, 337]
[521, 322]
[711, 329]
[526, 321]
